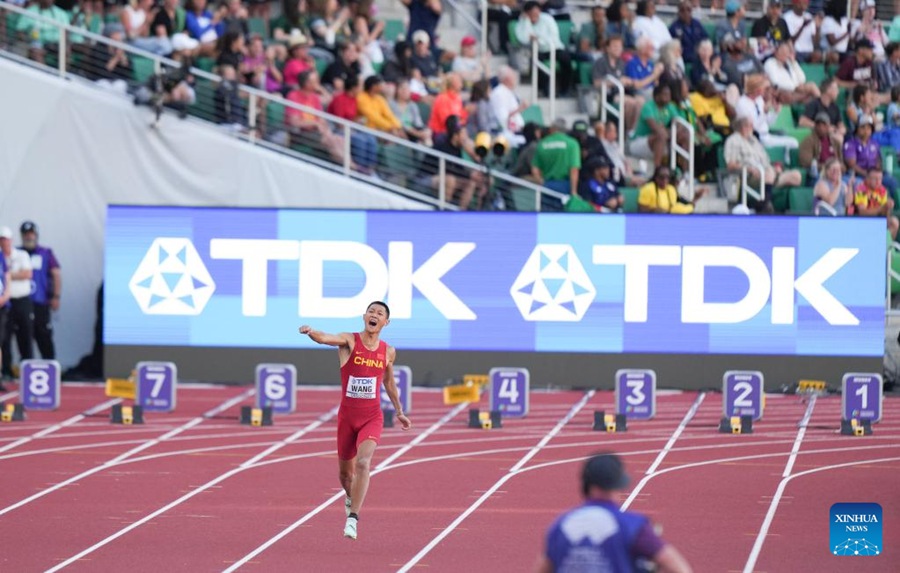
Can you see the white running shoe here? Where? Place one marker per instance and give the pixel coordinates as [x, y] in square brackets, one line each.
[350, 528]
[347, 504]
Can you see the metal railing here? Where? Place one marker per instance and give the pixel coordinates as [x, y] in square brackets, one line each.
[267, 120]
[611, 107]
[537, 66]
[676, 151]
[746, 189]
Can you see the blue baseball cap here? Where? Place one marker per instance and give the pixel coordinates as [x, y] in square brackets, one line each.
[732, 6]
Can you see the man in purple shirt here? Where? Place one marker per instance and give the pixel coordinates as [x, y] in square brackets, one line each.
[46, 288]
[862, 153]
[599, 536]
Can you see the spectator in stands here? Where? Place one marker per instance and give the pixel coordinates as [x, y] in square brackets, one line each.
[236, 17]
[230, 108]
[448, 103]
[711, 108]
[329, 23]
[110, 66]
[408, 113]
[307, 129]
[204, 25]
[892, 115]
[651, 134]
[399, 66]
[858, 68]
[888, 71]
[861, 102]
[501, 13]
[642, 70]
[20, 316]
[871, 29]
[276, 55]
[826, 103]
[706, 142]
[838, 28]
[367, 31]
[759, 104]
[805, 31]
[660, 195]
[770, 30]
[298, 61]
[743, 148]
[610, 64]
[363, 145]
[468, 64]
[733, 24]
[590, 146]
[507, 106]
[820, 146]
[43, 38]
[169, 22]
[460, 180]
[788, 78]
[619, 18]
[871, 199]
[232, 51]
[602, 190]
[423, 15]
[862, 153]
[254, 69]
[738, 62]
[532, 134]
[424, 62]
[137, 19]
[536, 26]
[344, 66]
[672, 62]
[375, 109]
[592, 36]
[294, 18]
[688, 30]
[557, 160]
[608, 134]
[832, 193]
[483, 119]
[648, 24]
[708, 66]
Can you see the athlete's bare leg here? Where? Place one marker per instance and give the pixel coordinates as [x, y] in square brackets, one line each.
[346, 474]
[360, 477]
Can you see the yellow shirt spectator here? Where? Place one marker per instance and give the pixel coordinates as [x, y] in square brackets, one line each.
[374, 107]
[710, 106]
[655, 199]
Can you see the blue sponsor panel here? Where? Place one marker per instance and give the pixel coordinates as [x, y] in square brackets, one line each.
[497, 282]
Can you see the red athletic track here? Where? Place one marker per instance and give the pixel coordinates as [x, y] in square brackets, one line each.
[196, 491]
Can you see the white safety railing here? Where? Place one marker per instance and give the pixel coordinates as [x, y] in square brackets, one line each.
[676, 151]
[537, 66]
[892, 275]
[747, 189]
[262, 110]
[616, 107]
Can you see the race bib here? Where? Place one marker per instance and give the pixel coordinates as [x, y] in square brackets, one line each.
[362, 388]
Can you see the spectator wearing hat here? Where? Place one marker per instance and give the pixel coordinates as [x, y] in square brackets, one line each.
[468, 64]
[557, 161]
[536, 26]
[298, 60]
[821, 145]
[599, 531]
[602, 191]
[732, 24]
[805, 30]
[375, 109]
[424, 15]
[20, 321]
[770, 30]
[862, 153]
[647, 24]
[688, 30]
[872, 199]
[424, 62]
[46, 287]
[738, 62]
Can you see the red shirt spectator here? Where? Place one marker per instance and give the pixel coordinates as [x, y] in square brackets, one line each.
[448, 103]
[344, 106]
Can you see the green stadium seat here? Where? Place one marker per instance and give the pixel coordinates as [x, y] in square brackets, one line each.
[142, 68]
[321, 65]
[258, 26]
[205, 64]
[393, 30]
[801, 200]
[533, 113]
[275, 115]
[205, 106]
[585, 70]
[630, 195]
[565, 31]
[780, 199]
[814, 72]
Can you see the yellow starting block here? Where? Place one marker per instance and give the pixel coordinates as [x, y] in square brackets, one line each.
[459, 393]
[811, 386]
[609, 420]
[12, 412]
[121, 388]
[480, 380]
[735, 424]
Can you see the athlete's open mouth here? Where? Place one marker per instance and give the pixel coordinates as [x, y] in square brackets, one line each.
[373, 322]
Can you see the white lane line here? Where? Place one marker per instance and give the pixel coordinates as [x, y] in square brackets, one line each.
[109, 463]
[776, 499]
[493, 489]
[324, 505]
[61, 425]
[648, 475]
[197, 490]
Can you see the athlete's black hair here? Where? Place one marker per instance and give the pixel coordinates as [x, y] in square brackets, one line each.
[387, 309]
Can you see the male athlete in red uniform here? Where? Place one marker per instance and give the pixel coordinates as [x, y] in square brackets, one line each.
[366, 362]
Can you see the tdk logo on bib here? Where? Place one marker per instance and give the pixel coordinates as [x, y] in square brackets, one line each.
[172, 279]
[553, 285]
[855, 529]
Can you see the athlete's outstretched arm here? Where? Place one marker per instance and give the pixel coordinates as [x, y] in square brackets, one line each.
[390, 386]
[341, 339]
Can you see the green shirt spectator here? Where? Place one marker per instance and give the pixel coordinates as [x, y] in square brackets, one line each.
[40, 31]
[662, 115]
[557, 160]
